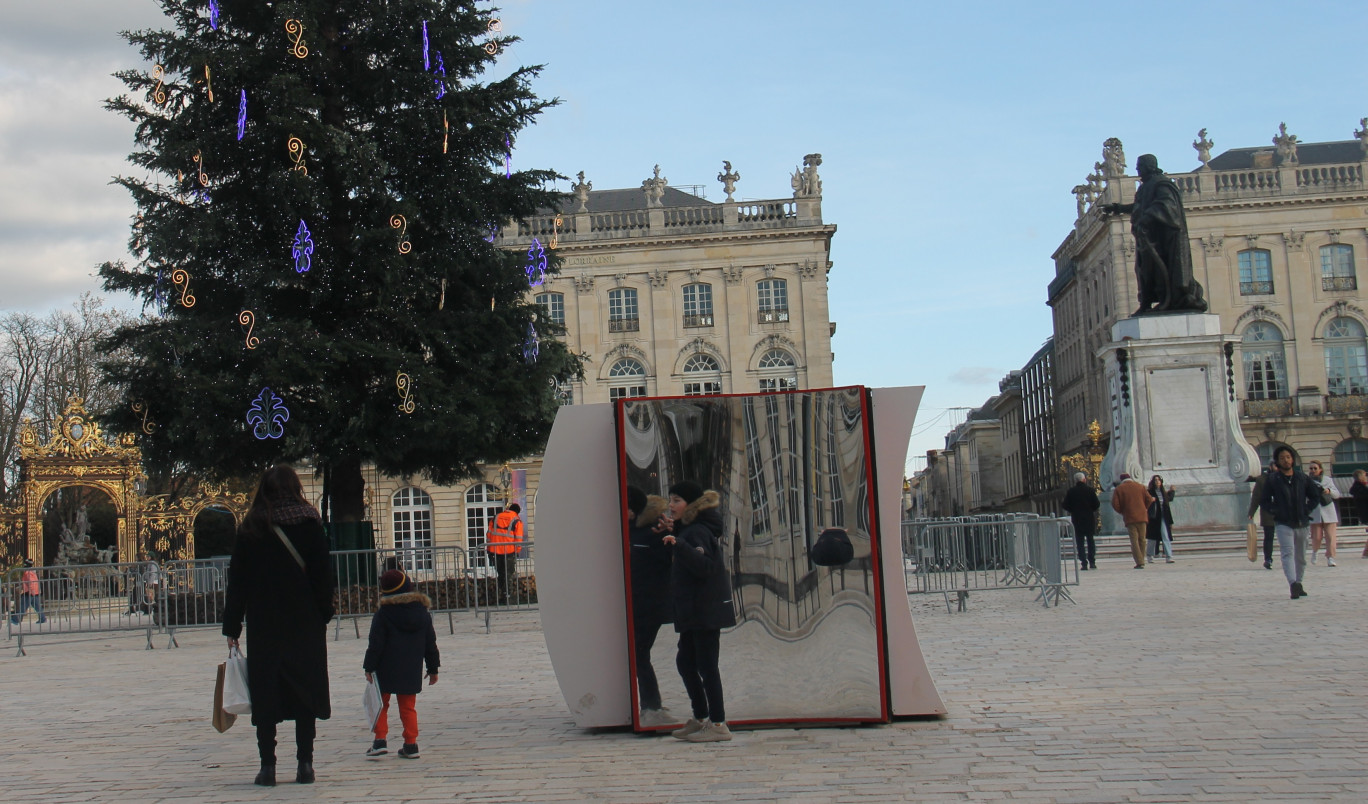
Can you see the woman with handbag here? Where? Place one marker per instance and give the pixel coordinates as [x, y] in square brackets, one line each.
[1325, 518]
[1160, 528]
[281, 581]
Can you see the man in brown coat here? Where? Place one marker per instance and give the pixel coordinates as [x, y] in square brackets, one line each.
[1132, 501]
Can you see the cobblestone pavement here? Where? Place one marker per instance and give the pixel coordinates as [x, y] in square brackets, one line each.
[1198, 680]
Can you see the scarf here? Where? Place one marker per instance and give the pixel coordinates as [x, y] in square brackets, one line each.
[291, 512]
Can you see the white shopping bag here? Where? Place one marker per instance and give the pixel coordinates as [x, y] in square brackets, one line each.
[370, 700]
[237, 699]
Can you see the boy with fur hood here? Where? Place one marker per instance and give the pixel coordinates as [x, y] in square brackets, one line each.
[701, 588]
[401, 639]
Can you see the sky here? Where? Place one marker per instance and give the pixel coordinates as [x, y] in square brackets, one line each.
[950, 133]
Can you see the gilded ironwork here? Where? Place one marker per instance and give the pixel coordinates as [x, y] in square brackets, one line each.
[1088, 461]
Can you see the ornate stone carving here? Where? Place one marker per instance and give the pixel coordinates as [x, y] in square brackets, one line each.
[805, 182]
[1340, 309]
[619, 278]
[769, 270]
[732, 274]
[728, 179]
[1362, 136]
[654, 188]
[1355, 428]
[1294, 240]
[1285, 146]
[700, 344]
[695, 274]
[584, 283]
[776, 341]
[1096, 180]
[809, 269]
[1081, 193]
[1113, 159]
[1252, 240]
[659, 278]
[1213, 244]
[1127, 245]
[1203, 147]
[581, 191]
[1261, 313]
[1333, 234]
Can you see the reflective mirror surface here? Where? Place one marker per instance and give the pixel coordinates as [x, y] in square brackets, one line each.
[787, 467]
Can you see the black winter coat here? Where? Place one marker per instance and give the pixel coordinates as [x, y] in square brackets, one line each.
[1291, 498]
[1082, 504]
[287, 611]
[1360, 494]
[650, 563]
[401, 638]
[699, 582]
[1161, 508]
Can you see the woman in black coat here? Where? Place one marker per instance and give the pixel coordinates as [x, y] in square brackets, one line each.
[285, 594]
[1359, 492]
[700, 587]
[1160, 529]
[650, 566]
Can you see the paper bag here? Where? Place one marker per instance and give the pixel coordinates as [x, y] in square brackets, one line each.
[237, 698]
[222, 720]
[370, 701]
[1252, 539]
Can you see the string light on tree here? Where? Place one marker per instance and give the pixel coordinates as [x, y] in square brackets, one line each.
[295, 28]
[303, 248]
[268, 415]
[242, 116]
[248, 319]
[405, 386]
[536, 264]
[140, 409]
[400, 223]
[213, 14]
[181, 278]
[296, 148]
[159, 94]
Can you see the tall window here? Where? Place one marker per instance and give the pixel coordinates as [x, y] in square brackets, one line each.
[777, 371]
[622, 310]
[1265, 365]
[1337, 268]
[698, 309]
[554, 304]
[412, 517]
[482, 505]
[772, 296]
[1256, 273]
[1351, 450]
[627, 378]
[702, 376]
[1346, 357]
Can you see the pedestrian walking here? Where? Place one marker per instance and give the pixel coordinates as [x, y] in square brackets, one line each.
[1082, 504]
[30, 595]
[281, 581]
[503, 542]
[1159, 529]
[1359, 492]
[401, 640]
[1265, 515]
[1325, 518]
[1291, 496]
[1131, 500]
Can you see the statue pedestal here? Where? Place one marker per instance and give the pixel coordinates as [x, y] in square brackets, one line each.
[1174, 414]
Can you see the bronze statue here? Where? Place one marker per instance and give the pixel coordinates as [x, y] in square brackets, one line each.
[1163, 260]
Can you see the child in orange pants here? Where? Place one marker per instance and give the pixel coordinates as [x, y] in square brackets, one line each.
[401, 640]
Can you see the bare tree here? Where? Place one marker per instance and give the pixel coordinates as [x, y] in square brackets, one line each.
[23, 347]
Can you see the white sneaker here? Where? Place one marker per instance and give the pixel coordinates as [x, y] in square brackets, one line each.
[692, 726]
[711, 733]
[1329, 562]
[654, 718]
[1313, 558]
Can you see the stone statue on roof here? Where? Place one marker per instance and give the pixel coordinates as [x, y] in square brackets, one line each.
[806, 182]
[654, 188]
[1286, 146]
[1113, 159]
[1203, 147]
[581, 192]
[728, 179]
[1362, 135]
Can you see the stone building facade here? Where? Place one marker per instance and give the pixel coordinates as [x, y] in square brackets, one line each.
[665, 294]
[1279, 238]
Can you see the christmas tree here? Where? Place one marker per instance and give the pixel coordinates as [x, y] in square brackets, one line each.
[314, 248]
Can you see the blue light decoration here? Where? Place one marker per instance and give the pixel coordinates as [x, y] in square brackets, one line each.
[268, 415]
[426, 65]
[493, 233]
[213, 14]
[242, 116]
[508, 157]
[531, 346]
[303, 248]
[441, 82]
[536, 264]
[160, 300]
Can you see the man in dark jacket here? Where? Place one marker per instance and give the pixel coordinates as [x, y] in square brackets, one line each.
[401, 640]
[650, 567]
[701, 589]
[1082, 504]
[1291, 497]
[1265, 516]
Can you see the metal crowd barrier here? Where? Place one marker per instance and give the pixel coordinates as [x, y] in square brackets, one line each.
[81, 599]
[995, 551]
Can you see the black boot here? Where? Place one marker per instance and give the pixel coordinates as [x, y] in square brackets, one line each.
[305, 774]
[266, 776]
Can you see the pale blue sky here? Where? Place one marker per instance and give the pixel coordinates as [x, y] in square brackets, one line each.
[951, 134]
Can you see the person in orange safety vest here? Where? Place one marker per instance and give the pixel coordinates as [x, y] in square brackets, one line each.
[30, 595]
[503, 542]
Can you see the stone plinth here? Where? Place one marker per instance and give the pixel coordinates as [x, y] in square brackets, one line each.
[1174, 414]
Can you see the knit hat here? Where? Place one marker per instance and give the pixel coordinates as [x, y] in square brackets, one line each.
[1124, 476]
[687, 490]
[395, 582]
[636, 500]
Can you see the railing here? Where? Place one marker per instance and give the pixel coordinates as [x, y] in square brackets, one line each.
[1258, 408]
[698, 320]
[693, 216]
[1214, 184]
[1014, 551]
[624, 324]
[766, 211]
[1339, 283]
[1256, 288]
[1332, 177]
[619, 221]
[1346, 403]
[773, 315]
[1238, 181]
[82, 599]
[544, 226]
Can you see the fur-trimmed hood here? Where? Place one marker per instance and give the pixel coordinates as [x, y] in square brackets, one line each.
[655, 506]
[407, 597]
[707, 502]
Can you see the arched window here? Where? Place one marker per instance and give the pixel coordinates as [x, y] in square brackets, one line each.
[705, 376]
[627, 378]
[622, 310]
[1351, 451]
[1346, 357]
[412, 517]
[772, 299]
[698, 305]
[554, 304]
[1256, 272]
[1265, 364]
[777, 371]
[1337, 267]
[482, 505]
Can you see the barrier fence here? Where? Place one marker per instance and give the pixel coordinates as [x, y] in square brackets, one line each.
[166, 597]
[998, 551]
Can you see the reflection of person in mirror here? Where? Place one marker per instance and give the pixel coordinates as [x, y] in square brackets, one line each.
[650, 566]
[701, 588]
[503, 542]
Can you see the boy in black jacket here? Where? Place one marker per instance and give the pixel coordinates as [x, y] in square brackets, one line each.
[401, 639]
[1290, 496]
